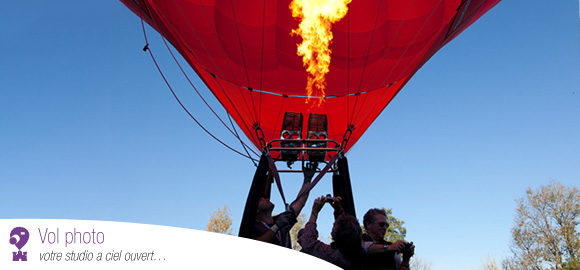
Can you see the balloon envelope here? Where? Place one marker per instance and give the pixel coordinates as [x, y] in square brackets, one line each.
[245, 53]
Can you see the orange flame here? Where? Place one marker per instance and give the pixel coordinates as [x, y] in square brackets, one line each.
[317, 18]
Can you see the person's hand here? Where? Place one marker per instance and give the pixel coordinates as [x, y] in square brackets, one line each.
[318, 204]
[309, 170]
[409, 251]
[335, 203]
[282, 221]
[398, 246]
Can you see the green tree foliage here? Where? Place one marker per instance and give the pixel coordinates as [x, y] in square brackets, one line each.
[545, 233]
[220, 221]
[396, 231]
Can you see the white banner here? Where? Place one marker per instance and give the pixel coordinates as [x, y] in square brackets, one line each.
[83, 244]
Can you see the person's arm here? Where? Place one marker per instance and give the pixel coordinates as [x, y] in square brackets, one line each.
[409, 252]
[299, 203]
[316, 206]
[309, 239]
[404, 265]
[282, 220]
[398, 246]
[267, 236]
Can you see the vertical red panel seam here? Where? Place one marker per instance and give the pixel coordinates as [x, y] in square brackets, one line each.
[244, 61]
[389, 49]
[416, 35]
[225, 57]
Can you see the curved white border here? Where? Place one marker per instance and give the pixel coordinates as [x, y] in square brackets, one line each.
[161, 247]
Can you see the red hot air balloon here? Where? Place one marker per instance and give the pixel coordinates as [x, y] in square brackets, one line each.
[245, 51]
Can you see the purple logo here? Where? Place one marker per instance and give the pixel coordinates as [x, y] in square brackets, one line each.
[19, 237]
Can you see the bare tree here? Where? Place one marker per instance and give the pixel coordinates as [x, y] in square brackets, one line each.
[545, 233]
[489, 263]
[418, 263]
[220, 221]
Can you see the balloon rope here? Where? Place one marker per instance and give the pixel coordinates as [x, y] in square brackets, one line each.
[220, 71]
[177, 98]
[192, 117]
[242, 142]
[372, 107]
[234, 132]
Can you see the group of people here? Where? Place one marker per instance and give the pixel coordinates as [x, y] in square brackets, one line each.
[350, 247]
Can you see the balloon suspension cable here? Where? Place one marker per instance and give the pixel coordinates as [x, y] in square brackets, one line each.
[243, 144]
[234, 132]
[147, 48]
[186, 18]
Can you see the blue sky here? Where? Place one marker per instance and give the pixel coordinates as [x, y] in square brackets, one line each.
[88, 129]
